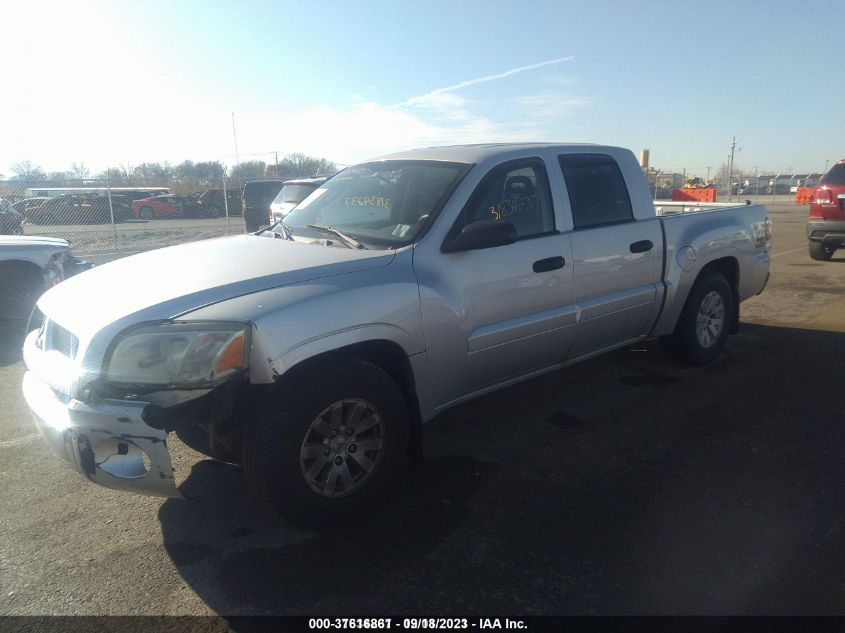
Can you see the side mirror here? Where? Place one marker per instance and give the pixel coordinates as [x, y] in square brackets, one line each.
[481, 234]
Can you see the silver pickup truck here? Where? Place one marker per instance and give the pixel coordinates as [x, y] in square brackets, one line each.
[311, 353]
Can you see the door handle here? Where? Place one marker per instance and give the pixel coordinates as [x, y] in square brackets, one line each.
[550, 263]
[643, 246]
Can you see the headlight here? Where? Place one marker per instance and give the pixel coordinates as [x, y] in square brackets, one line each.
[178, 354]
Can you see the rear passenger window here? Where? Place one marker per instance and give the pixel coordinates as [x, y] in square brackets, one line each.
[597, 191]
[517, 192]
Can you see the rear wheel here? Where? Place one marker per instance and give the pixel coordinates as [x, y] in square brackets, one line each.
[703, 326]
[821, 251]
[146, 213]
[327, 442]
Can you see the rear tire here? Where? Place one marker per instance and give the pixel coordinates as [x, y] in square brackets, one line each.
[821, 252]
[327, 442]
[146, 213]
[703, 326]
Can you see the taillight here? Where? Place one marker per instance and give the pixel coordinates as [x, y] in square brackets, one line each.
[766, 242]
[823, 196]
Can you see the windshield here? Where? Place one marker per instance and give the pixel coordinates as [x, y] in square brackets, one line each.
[294, 193]
[382, 204]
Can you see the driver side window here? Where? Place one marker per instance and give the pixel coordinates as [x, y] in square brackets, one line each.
[516, 192]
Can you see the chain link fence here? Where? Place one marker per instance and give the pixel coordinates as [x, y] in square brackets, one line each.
[102, 216]
[755, 186]
[129, 214]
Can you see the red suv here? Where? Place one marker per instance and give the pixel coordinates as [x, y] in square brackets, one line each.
[826, 224]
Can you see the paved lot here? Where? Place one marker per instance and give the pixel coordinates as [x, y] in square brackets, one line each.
[136, 235]
[627, 484]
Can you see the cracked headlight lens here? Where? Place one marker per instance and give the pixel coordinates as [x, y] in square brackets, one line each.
[178, 354]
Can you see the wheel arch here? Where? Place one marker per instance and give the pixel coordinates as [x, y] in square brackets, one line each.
[727, 266]
[22, 266]
[387, 355]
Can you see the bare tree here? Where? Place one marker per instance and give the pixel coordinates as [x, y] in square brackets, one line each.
[27, 170]
[79, 171]
[249, 170]
[156, 171]
[116, 175]
[297, 165]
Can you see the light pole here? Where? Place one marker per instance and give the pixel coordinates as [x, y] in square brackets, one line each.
[235, 136]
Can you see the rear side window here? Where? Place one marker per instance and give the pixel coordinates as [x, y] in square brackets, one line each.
[294, 193]
[261, 191]
[836, 176]
[597, 191]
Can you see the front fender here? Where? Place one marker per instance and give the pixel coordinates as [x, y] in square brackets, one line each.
[343, 338]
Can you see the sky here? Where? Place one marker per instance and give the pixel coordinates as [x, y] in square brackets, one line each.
[119, 82]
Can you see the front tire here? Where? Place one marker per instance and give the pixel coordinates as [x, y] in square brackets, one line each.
[327, 442]
[820, 252]
[704, 323]
[146, 213]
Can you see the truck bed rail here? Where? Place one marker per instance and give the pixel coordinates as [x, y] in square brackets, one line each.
[675, 208]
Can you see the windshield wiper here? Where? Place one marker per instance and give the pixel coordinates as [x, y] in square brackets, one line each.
[288, 232]
[351, 242]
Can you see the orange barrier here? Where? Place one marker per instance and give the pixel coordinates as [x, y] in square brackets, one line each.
[707, 194]
[803, 195]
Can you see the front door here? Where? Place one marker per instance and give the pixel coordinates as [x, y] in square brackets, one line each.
[497, 313]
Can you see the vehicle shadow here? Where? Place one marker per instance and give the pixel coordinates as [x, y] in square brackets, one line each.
[626, 484]
[11, 342]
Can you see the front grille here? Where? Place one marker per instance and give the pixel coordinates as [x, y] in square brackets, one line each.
[56, 338]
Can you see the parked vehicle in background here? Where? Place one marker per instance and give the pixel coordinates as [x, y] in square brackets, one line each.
[167, 206]
[257, 197]
[52, 192]
[79, 209]
[210, 203]
[30, 265]
[294, 192]
[24, 205]
[398, 289]
[826, 223]
[11, 222]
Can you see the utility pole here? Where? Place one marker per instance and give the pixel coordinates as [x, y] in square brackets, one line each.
[276, 155]
[235, 135]
[731, 170]
[708, 174]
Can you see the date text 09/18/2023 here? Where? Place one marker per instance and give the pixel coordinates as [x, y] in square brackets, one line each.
[411, 624]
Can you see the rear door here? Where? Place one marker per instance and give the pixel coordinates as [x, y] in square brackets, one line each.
[614, 254]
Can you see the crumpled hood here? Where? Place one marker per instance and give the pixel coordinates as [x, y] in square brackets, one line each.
[170, 281]
[31, 248]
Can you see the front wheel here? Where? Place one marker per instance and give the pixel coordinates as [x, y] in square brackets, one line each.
[820, 251]
[327, 442]
[703, 326]
[147, 213]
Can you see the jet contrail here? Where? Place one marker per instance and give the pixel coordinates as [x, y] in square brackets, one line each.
[479, 80]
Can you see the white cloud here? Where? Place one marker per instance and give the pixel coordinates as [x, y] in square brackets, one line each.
[427, 97]
[99, 120]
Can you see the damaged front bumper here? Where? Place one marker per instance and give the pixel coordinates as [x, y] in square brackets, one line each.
[108, 442]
